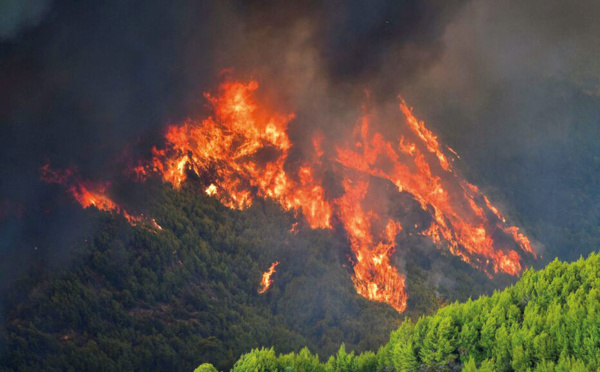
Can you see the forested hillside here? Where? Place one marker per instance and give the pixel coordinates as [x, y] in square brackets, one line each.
[139, 298]
[250, 185]
[548, 321]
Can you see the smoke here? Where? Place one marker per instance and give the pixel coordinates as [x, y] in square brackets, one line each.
[18, 15]
[78, 89]
[493, 50]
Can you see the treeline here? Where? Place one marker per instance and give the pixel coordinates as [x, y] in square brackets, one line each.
[548, 321]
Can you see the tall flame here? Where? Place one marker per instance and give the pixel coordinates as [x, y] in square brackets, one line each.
[232, 147]
[374, 277]
[463, 217]
[266, 281]
[243, 149]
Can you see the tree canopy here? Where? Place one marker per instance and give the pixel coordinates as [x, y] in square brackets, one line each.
[548, 321]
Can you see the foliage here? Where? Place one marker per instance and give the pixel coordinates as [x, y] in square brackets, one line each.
[135, 298]
[206, 367]
[548, 321]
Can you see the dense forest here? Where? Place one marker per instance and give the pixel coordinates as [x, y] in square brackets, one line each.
[138, 298]
[548, 321]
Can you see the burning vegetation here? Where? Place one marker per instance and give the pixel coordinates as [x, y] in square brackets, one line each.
[243, 148]
[266, 281]
[92, 194]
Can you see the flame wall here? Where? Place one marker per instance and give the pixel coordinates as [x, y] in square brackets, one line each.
[243, 147]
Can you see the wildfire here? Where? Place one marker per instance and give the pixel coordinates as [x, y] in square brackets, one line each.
[266, 281]
[89, 194]
[243, 147]
[463, 218]
[294, 228]
[211, 190]
[231, 146]
[374, 277]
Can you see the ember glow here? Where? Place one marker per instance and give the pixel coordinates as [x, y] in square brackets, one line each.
[211, 190]
[91, 194]
[243, 148]
[266, 281]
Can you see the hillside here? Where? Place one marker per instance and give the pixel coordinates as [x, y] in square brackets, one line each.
[548, 321]
[330, 186]
[136, 298]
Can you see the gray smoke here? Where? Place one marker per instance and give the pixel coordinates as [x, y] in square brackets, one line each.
[18, 15]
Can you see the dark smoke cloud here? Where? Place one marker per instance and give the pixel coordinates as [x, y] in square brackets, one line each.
[354, 39]
[318, 58]
[492, 47]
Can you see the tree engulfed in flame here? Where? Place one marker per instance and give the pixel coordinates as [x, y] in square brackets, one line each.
[243, 148]
[266, 281]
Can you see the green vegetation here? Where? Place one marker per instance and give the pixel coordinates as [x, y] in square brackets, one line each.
[138, 299]
[548, 321]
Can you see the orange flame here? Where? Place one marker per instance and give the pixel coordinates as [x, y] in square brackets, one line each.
[243, 148]
[89, 194]
[230, 147]
[266, 281]
[460, 210]
[374, 277]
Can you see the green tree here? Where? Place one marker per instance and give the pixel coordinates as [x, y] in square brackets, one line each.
[206, 367]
